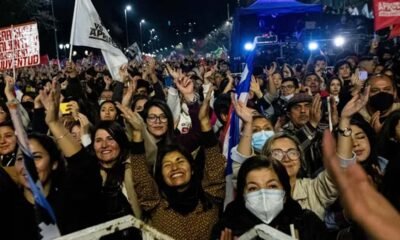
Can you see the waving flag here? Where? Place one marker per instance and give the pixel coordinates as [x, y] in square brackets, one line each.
[386, 13]
[232, 130]
[45, 217]
[87, 30]
[395, 31]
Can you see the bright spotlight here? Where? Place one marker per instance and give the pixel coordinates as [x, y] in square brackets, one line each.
[128, 8]
[74, 53]
[313, 46]
[339, 41]
[248, 46]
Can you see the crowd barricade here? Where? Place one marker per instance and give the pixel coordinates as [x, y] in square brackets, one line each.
[118, 224]
[264, 231]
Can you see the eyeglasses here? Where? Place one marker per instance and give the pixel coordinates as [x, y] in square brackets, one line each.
[279, 154]
[154, 118]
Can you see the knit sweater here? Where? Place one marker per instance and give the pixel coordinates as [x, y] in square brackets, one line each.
[194, 225]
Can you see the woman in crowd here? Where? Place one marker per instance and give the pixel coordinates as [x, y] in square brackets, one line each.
[4, 113]
[264, 197]
[8, 144]
[108, 111]
[111, 148]
[73, 193]
[160, 124]
[184, 198]
[334, 88]
[343, 70]
[314, 194]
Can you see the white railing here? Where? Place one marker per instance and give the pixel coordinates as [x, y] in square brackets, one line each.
[103, 229]
[264, 231]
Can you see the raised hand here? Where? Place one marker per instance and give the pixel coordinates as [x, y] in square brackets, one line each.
[51, 102]
[355, 104]
[356, 83]
[204, 112]
[84, 123]
[9, 88]
[176, 74]
[243, 112]
[316, 111]
[334, 111]
[255, 87]
[359, 197]
[126, 99]
[123, 72]
[375, 122]
[133, 118]
[271, 70]
[185, 85]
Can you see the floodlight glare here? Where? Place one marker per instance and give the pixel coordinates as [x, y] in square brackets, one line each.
[128, 8]
[248, 46]
[313, 46]
[339, 41]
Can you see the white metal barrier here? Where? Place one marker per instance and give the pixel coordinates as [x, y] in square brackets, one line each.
[103, 229]
[266, 232]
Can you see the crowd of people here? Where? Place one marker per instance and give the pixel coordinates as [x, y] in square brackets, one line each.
[150, 145]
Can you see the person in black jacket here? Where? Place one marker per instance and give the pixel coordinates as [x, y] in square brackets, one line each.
[71, 187]
[263, 197]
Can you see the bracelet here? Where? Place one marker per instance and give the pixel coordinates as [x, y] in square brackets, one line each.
[345, 162]
[243, 135]
[61, 137]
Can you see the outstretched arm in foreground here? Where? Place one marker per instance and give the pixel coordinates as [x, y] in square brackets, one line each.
[366, 206]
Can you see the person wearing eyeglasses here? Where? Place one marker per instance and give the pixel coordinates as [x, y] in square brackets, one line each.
[315, 194]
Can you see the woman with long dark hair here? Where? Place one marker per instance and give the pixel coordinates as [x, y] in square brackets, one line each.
[264, 197]
[184, 198]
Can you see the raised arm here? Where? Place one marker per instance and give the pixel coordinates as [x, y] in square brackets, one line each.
[365, 205]
[51, 102]
[345, 142]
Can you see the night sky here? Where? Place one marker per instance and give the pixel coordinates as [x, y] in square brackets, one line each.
[157, 13]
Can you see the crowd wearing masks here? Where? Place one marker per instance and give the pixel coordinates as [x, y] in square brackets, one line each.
[317, 156]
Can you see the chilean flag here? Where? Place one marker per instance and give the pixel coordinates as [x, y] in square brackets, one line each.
[232, 129]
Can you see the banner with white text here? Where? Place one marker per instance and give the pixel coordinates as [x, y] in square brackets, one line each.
[19, 45]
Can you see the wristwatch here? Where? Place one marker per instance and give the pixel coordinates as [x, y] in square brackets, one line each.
[346, 132]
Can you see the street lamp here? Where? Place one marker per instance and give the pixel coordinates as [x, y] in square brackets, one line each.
[64, 47]
[151, 45]
[127, 9]
[140, 32]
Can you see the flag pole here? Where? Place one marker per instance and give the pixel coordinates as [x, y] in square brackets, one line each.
[73, 31]
[13, 53]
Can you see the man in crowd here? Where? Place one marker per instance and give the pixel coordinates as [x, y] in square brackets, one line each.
[304, 113]
[381, 100]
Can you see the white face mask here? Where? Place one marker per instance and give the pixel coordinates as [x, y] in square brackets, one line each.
[265, 204]
[288, 97]
[258, 139]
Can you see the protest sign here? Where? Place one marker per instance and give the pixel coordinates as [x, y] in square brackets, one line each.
[19, 46]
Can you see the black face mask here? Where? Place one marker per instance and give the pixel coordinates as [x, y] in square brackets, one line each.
[381, 101]
[28, 105]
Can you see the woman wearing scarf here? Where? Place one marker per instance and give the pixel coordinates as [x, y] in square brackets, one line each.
[181, 200]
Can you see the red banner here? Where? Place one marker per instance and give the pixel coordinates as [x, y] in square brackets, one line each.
[19, 46]
[395, 31]
[387, 13]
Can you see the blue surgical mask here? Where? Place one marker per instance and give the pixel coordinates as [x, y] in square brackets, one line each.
[258, 139]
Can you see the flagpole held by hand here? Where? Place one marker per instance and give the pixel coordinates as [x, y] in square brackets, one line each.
[73, 31]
